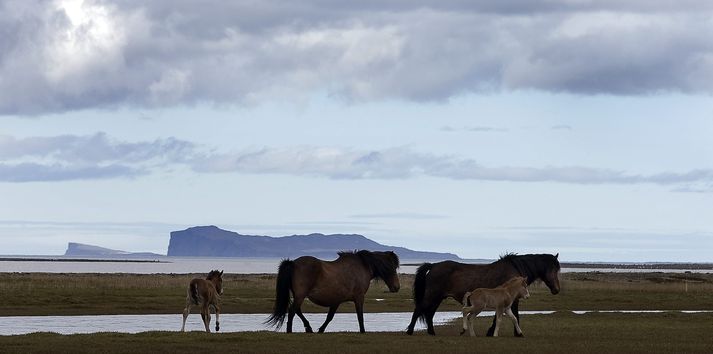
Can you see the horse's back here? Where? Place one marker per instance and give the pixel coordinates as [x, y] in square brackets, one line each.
[454, 279]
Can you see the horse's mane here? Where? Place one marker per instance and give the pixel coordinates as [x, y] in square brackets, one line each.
[382, 264]
[213, 274]
[531, 265]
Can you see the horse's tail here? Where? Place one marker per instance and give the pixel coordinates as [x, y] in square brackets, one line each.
[193, 291]
[419, 285]
[282, 294]
[466, 299]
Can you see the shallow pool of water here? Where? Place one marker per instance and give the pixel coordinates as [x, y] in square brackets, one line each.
[342, 322]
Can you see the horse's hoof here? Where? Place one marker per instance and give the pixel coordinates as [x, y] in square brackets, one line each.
[519, 335]
[461, 332]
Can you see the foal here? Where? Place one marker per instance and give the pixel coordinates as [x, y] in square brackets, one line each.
[499, 299]
[205, 293]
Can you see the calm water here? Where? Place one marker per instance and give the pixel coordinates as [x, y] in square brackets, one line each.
[342, 322]
[229, 265]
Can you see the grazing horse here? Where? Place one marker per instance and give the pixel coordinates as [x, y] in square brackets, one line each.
[499, 299]
[438, 281]
[330, 283]
[206, 294]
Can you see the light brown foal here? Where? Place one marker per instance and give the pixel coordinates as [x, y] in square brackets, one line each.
[206, 294]
[499, 299]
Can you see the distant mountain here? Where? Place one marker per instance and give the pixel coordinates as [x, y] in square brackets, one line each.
[84, 250]
[211, 241]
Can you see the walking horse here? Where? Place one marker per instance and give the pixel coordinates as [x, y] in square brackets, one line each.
[206, 294]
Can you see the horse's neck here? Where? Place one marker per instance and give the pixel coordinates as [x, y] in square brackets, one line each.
[512, 292]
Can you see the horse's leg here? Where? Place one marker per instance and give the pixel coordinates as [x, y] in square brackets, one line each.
[514, 308]
[206, 317]
[359, 305]
[471, 330]
[416, 314]
[186, 311]
[466, 316]
[217, 316]
[430, 312]
[330, 315]
[498, 318]
[290, 317]
[518, 330]
[297, 305]
[491, 330]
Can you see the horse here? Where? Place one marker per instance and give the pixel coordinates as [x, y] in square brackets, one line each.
[330, 283]
[435, 282]
[205, 293]
[499, 299]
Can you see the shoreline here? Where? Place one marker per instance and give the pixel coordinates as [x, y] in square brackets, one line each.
[97, 260]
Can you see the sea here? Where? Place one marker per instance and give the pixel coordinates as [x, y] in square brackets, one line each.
[192, 265]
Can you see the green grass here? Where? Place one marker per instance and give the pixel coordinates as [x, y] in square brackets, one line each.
[81, 294]
[559, 333]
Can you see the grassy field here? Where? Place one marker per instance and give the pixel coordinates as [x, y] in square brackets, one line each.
[562, 332]
[559, 333]
[81, 294]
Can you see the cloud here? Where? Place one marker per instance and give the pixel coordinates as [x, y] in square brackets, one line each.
[98, 156]
[72, 157]
[402, 163]
[66, 55]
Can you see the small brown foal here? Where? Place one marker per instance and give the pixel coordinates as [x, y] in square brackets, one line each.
[206, 294]
[499, 299]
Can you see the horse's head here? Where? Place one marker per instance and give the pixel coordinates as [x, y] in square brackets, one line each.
[552, 273]
[522, 291]
[216, 277]
[383, 266]
[392, 281]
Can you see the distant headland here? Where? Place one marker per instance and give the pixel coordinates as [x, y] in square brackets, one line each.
[211, 241]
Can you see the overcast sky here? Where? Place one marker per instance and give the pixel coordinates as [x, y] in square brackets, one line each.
[473, 127]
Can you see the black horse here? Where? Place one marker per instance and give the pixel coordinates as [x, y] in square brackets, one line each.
[438, 281]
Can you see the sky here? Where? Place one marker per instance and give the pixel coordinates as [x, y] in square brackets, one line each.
[475, 127]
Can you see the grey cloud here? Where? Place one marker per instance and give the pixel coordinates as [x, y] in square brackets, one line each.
[106, 54]
[93, 148]
[401, 163]
[99, 156]
[73, 157]
[32, 172]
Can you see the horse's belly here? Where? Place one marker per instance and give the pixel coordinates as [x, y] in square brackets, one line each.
[327, 299]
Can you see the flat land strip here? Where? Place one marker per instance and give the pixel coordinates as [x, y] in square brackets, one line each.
[562, 332]
[27, 294]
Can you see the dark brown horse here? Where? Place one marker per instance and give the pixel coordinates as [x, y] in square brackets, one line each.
[329, 284]
[206, 294]
[438, 281]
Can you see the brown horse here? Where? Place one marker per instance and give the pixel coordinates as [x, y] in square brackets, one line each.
[330, 283]
[205, 293]
[499, 299]
[438, 281]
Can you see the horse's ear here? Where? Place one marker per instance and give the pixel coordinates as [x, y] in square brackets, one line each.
[221, 273]
[557, 255]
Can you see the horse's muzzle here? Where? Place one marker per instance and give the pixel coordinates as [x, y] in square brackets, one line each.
[555, 291]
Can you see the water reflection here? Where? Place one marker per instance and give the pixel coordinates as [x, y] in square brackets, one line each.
[342, 322]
